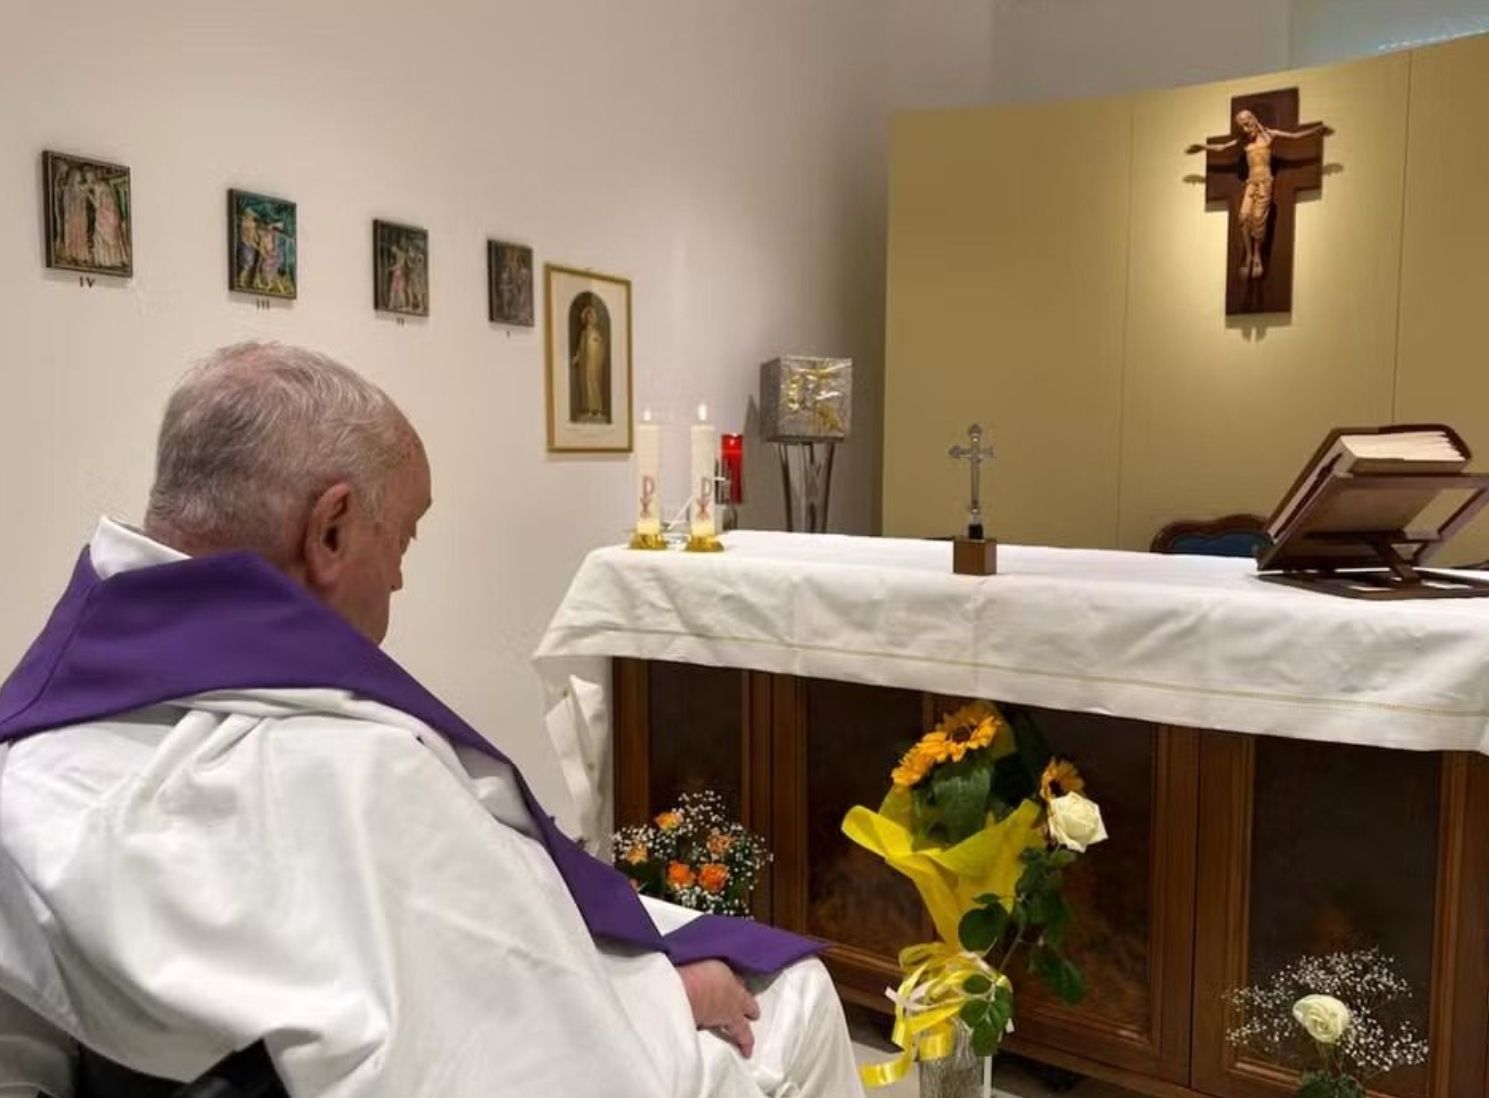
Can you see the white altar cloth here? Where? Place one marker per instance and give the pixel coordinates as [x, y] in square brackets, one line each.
[1185, 640]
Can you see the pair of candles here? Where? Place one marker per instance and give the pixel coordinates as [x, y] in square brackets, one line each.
[702, 523]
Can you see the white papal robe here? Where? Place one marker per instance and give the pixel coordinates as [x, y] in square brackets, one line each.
[329, 874]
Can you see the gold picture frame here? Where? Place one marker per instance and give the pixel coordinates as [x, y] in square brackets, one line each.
[588, 367]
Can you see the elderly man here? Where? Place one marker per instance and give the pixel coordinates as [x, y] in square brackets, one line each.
[227, 816]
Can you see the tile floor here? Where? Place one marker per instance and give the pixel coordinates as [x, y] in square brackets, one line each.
[1013, 1079]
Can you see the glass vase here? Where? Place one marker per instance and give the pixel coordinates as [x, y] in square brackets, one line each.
[956, 1076]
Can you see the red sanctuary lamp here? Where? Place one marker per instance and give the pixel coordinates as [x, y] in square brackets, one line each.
[731, 460]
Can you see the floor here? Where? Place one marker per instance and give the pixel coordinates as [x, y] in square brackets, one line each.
[1014, 1078]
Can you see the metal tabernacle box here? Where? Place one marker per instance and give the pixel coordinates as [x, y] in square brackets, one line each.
[805, 399]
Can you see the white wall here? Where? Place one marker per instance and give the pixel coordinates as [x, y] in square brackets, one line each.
[1071, 49]
[727, 157]
[1337, 30]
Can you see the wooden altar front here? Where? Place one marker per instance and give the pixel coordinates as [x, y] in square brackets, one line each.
[1229, 856]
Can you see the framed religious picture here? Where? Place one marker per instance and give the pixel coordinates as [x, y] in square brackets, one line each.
[89, 215]
[588, 317]
[509, 283]
[400, 267]
[262, 245]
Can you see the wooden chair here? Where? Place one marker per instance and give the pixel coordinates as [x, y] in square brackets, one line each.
[248, 1073]
[1231, 536]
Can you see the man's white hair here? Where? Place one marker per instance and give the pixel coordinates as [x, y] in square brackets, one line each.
[255, 434]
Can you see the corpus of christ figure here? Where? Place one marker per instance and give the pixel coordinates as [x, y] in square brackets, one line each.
[1258, 170]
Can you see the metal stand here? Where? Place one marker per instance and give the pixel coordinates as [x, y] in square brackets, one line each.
[806, 474]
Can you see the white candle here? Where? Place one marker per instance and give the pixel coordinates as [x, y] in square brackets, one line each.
[705, 454]
[648, 476]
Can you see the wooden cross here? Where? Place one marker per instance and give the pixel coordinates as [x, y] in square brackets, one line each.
[1257, 170]
[975, 455]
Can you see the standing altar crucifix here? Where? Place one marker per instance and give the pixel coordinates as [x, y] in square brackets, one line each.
[1257, 170]
[974, 455]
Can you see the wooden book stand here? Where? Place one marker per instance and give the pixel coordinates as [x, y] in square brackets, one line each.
[1368, 563]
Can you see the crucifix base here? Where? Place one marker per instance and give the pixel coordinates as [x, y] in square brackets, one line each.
[974, 556]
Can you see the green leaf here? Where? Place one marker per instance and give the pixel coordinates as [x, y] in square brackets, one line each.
[986, 1039]
[1036, 873]
[1010, 782]
[1050, 910]
[1320, 1084]
[961, 792]
[1000, 1010]
[1316, 1087]
[1316, 1084]
[1062, 977]
[977, 984]
[974, 1012]
[1034, 750]
[982, 927]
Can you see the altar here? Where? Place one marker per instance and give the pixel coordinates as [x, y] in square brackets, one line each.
[1281, 772]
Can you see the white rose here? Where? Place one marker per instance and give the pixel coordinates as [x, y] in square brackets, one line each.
[1075, 822]
[1323, 1016]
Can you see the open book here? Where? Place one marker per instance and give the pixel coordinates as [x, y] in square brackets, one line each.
[1431, 449]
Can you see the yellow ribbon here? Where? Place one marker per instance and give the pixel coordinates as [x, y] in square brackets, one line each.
[949, 880]
[926, 1006]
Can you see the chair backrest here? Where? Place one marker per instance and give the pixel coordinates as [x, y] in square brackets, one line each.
[248, 1073]
[1231, 536]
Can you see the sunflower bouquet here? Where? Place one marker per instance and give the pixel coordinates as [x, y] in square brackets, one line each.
[985, 822]
[693, 855]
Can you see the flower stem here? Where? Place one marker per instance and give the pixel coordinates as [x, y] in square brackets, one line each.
[1007, 957]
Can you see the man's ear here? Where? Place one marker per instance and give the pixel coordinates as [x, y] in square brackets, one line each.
[325, 548]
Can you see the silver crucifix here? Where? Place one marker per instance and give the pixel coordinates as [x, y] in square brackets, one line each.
[975, 455]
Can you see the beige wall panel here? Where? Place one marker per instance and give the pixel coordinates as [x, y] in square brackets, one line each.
[1007, 285]
[1218, 416]
[1444, 368]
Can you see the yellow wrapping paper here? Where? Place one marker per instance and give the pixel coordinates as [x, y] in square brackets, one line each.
[949, 878]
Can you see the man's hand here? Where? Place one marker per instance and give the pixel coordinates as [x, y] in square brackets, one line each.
[721, 1002]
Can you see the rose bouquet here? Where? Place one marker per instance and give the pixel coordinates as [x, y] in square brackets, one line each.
[693, 855]
[985, 822]
[1332, 1018]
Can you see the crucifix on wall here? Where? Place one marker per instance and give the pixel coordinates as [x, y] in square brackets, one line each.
[1258, 169]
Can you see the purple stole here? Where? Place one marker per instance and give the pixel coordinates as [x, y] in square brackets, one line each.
[234, 622]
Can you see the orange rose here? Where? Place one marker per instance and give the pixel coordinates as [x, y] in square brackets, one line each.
[669, 821]
[637, 854]
[713, 877]
[679, 875]
[718, 845]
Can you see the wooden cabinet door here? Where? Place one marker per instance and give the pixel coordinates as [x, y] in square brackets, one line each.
[1133, 896]
[831, 741]
[681, 728]
[1310, 848]
[834, 746]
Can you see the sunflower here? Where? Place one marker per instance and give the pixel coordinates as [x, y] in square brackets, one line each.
[913, 767]
[967, 729]
[1059, 778]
